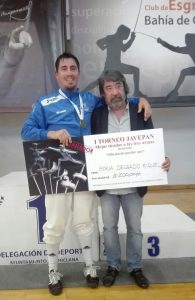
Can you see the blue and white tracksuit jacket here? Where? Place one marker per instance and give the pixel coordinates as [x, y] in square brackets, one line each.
[54, 112]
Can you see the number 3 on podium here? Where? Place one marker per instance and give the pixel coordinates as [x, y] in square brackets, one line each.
[154, 250]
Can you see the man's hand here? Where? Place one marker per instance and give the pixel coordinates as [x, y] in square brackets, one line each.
[62, 135]
[144, 104]
[19, 39]
[166, 164]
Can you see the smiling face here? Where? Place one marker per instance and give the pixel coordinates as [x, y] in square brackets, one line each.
[114, 94]
[67, 74]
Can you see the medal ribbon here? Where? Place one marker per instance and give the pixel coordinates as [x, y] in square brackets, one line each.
[80, 113]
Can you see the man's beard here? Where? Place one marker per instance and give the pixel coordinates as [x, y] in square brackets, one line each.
[117, 104]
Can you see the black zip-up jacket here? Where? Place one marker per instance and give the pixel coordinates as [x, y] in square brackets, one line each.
[99, 125]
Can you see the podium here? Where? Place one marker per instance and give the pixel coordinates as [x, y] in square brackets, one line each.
[167, 233]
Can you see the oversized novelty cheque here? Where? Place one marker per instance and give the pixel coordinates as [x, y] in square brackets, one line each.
[125, 159]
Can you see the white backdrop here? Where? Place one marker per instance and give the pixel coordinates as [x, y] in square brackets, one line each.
[156, 69]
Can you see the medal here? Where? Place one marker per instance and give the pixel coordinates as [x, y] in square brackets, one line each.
[79, 110]
[82, 123]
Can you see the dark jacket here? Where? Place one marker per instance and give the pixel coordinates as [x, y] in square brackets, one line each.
[99, 124]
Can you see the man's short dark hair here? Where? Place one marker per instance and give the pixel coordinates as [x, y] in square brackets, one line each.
[64, 56]
[112, 75]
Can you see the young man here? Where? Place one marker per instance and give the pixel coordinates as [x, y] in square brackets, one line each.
[120, 115]
[64, 114]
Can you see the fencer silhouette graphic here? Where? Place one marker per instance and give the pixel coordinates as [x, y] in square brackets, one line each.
[189, 49]
[115, 44]
[13, 46]
[65, 155]
[38, 158]
[46, 172]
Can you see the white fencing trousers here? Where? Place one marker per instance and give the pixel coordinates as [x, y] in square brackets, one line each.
[58, 210]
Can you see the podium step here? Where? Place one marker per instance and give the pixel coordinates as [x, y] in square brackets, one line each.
[167, 233]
